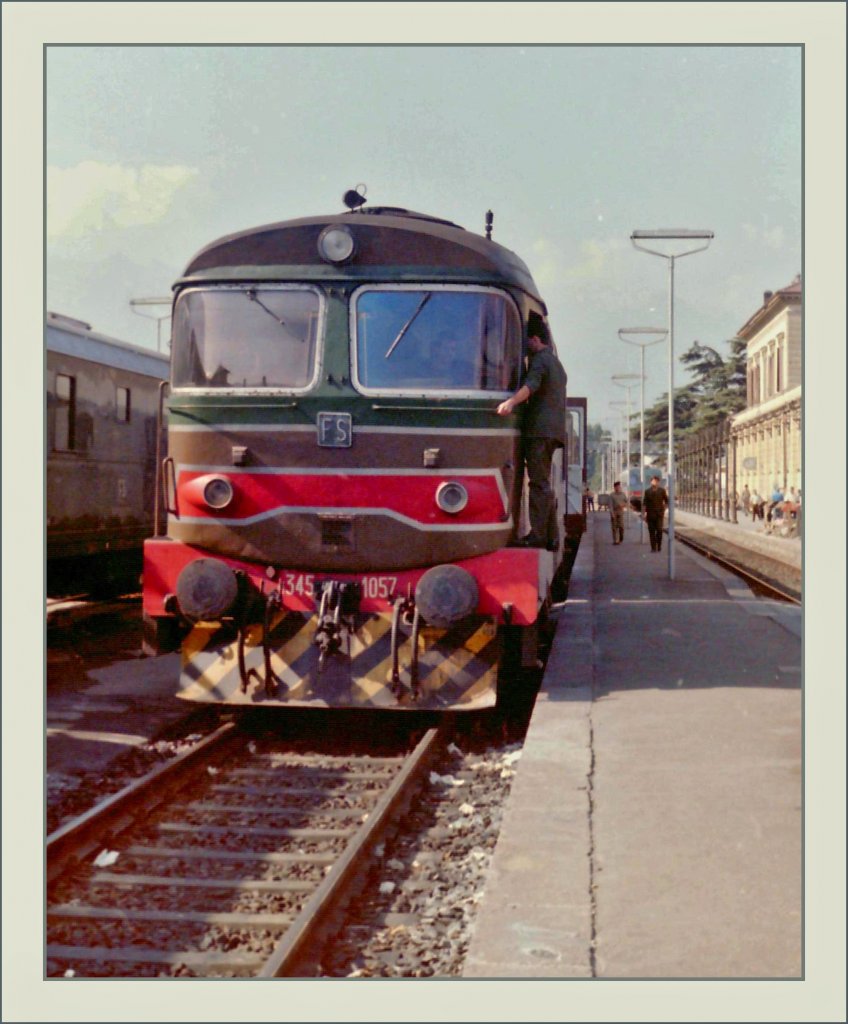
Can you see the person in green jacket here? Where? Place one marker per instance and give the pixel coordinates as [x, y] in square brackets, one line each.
[543, 430]
[617, 506]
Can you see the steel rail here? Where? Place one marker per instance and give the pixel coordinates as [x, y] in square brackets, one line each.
[302, 934]
[300, 945]
[82, 836]
[739, 570]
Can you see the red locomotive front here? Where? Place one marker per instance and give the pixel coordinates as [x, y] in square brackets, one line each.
[340, 493]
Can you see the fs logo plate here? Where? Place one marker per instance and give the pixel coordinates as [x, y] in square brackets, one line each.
[335, 430]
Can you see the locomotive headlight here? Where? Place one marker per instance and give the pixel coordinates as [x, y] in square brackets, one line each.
[206, 589]
[336, 244]
[218, 493]
[451, 497]
[445, 594]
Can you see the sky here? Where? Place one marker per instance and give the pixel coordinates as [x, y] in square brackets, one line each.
[152, 152]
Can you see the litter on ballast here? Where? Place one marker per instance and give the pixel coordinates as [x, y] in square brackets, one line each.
[106, 858]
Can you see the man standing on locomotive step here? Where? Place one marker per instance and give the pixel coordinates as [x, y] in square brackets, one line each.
[654, 505]
[543, 430]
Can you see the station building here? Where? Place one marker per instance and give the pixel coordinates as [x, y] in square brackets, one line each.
[768, 431]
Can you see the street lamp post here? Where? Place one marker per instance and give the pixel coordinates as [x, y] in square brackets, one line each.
[671, 235]
[606, 460]
[642, 346]
[165, 316]
[623, 472]
[627, 381]
[612, 454]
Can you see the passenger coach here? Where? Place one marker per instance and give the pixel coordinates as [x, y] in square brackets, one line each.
[102, 402]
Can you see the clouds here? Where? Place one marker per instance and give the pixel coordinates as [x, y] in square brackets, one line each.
[95, 197]
[594, 260]
[771, 236]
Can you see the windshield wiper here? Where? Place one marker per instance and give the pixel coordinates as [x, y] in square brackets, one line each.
[251, 294]
[408, 324]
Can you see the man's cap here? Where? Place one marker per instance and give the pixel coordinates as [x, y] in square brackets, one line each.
[536, 327]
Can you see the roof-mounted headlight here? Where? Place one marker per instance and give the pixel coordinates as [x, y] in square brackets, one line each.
[336, 244]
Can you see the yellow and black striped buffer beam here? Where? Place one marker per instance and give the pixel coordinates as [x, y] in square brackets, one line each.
[457, 667]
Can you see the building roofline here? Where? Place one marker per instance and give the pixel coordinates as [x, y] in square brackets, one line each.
[790, 295]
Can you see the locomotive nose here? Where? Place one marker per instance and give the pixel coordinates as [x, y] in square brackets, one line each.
[206, 589]
[445, 594]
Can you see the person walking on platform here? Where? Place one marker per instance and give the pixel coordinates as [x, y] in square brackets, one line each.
[543, 431]
[617, 505]
[653, 510]
[746, 500]
[588, 500]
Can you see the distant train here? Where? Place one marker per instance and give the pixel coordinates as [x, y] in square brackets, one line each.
[340, 495]
[102, 410]
[635, 483]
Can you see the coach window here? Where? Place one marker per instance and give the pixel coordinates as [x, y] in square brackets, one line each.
[65, 413]
[444, 340]
[122, 405]
[240, 338]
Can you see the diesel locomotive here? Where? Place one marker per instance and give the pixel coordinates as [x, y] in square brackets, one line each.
[339, 497]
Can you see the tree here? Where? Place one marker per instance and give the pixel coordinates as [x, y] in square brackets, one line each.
[594, 443]
[715, 392]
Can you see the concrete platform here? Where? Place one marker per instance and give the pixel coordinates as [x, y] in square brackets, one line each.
[654, 829]
[113, 709]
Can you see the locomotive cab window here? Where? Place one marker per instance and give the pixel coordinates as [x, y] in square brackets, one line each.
[243, 337]
[450, 339]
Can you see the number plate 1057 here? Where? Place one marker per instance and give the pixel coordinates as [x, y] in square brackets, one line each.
[303, 585]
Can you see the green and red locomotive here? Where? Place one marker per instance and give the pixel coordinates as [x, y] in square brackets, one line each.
[339, 492]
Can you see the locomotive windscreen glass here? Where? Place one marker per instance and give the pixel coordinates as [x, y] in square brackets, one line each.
[436, 339]
[245, 338]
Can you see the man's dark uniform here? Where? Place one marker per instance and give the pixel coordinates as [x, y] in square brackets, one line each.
[654, 502]
[543, 432]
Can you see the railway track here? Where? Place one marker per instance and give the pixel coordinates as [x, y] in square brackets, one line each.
[235, 859]
[761, 583]
[62, 611]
